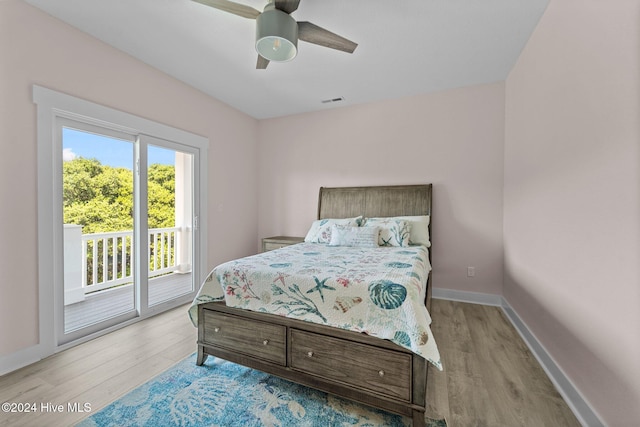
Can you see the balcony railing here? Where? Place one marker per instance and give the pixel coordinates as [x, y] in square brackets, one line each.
[94, 262]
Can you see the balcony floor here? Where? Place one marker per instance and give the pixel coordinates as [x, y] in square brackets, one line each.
[109, 303]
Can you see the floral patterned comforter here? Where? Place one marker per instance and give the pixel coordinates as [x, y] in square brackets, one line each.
[378, 291]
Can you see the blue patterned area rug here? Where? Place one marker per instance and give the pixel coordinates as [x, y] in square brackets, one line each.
[222, 393]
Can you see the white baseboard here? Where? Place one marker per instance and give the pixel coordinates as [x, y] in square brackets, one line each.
[463, 296]
[19, 359]
[581, 409]
[576, 402]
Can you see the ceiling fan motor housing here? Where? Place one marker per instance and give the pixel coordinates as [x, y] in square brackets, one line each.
[276, 35]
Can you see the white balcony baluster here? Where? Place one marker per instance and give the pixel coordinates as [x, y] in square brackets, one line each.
[111, 249]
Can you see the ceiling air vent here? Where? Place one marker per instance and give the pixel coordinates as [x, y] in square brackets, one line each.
[329, 101]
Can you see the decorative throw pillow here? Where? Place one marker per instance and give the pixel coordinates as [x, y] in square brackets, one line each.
[320, 231]
[419, 229]
[364, 237]
[393, 232]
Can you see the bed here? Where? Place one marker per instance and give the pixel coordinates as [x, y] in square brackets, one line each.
[282, 329]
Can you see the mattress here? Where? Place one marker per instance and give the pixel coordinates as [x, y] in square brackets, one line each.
[379, 291]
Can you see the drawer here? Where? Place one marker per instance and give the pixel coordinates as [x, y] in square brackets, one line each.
[277, 242]
[251, 337]
[268, 246]
[384, 371]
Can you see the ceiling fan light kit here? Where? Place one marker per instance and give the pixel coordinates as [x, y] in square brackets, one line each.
[276, 35]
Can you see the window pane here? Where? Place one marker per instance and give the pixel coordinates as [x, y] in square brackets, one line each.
[98, 228]
[170, 213]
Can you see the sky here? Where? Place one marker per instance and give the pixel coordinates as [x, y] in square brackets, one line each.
[109, 151]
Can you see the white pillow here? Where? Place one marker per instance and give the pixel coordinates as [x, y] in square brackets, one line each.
[320, 231]
[419, 229]
[364, 237]
[393, 232]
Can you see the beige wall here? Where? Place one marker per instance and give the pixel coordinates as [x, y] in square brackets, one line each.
[453, 139]
[572, 189]
[37, 49]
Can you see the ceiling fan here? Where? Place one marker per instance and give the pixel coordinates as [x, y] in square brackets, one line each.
[277, 33]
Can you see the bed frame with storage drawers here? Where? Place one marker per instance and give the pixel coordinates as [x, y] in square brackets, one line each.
[349, 364]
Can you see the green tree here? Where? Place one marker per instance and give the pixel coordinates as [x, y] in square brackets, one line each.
[100, 197]
[161, 187]
[77, 179]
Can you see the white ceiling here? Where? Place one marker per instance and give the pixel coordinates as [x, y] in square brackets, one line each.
[405, 47]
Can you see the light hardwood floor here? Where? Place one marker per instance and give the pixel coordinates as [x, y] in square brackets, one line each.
[99, 371]
[490, 378]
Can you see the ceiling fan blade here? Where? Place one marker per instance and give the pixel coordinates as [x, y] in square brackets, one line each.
[232, 7]
[287, 6]
[311, 33]
[262, 63]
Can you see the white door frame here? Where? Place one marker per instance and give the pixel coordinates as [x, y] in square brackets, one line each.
[52, 105]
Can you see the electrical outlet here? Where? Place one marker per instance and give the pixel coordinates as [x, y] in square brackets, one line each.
[471, 271]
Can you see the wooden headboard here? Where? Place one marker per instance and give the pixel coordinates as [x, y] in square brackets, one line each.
[385, 201]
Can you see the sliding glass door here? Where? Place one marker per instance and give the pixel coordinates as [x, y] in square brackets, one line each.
[128, 226]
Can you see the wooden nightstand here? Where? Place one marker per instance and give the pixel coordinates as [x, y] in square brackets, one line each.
[276, 242]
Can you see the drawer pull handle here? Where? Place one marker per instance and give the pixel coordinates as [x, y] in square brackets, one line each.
[381, 373]
[265, 342]
[310, 354]
[216, 329]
